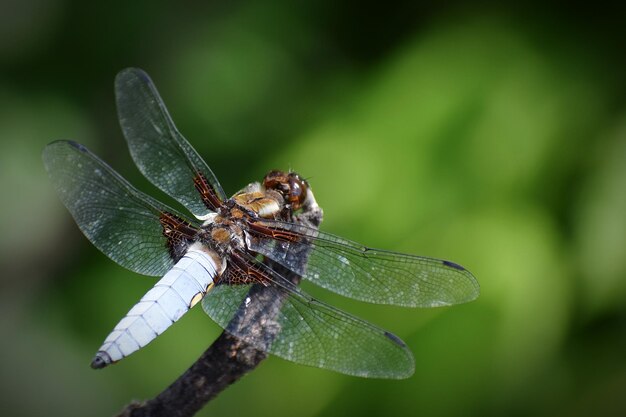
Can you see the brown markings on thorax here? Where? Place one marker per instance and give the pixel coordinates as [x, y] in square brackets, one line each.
[248, 197]
[220, 235]
[235, 213]
[260, 203]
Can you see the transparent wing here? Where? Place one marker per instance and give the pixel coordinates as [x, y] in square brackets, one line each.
[362, 273]
[118, 219]
[160, 152]
[282, 320]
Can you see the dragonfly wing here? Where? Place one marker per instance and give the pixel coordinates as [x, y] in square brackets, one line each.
[160, 152]
[282, 320]
[118, 219]
[363, 273]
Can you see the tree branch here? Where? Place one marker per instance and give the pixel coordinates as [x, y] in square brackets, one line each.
[228, 358]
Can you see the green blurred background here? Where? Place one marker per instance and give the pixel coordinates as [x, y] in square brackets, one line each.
[489, 134]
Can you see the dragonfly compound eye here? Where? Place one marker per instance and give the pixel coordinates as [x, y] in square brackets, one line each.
[297, 190]
[289, 185]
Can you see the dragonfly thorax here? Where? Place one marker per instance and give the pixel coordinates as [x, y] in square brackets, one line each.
[257, 201]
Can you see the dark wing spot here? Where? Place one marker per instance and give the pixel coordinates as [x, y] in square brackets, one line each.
[142, 75]
[453, 265]
[78, 146]
[395, 339]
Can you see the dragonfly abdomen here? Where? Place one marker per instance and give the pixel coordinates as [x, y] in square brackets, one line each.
[181, 288]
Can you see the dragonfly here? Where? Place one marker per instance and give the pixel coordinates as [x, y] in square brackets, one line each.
[228, 247]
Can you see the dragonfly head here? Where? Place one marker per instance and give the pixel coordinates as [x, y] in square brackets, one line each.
[290, 185]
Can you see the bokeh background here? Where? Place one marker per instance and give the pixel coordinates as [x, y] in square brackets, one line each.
[489, 134]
